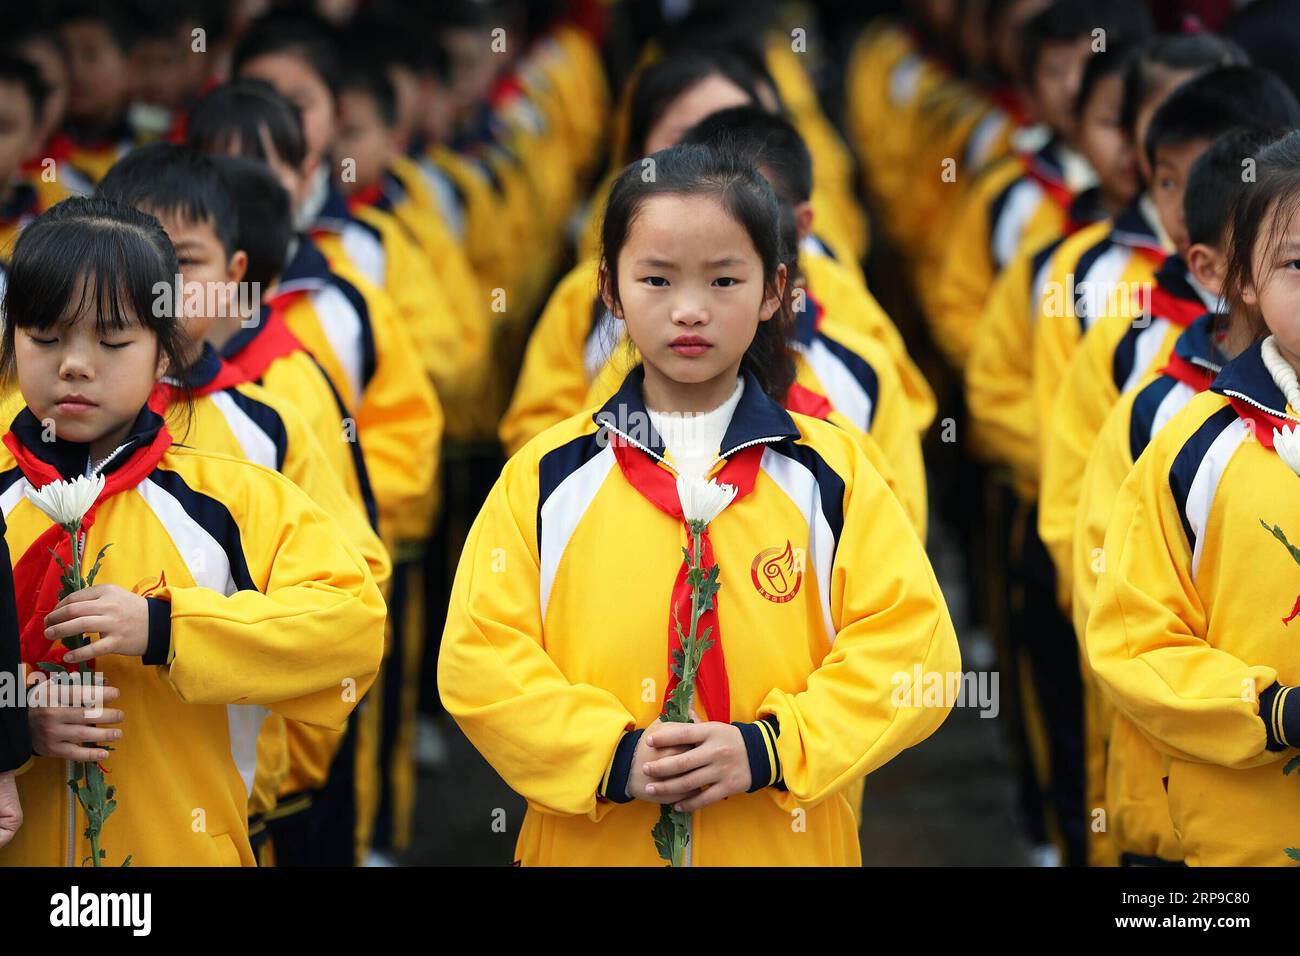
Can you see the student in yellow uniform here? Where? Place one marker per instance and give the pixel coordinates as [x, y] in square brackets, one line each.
[1189, 630]
[1004, 432]
[1098, 268]
[96, 132]
[1137, 810]
[298, 57]
[187, 192]
[352, 328]
[1118, 353]
[999, 378]
[1022, 201]
[22, 195]
[890, 72]
[209, 607]
[366, 140]
[692, 265]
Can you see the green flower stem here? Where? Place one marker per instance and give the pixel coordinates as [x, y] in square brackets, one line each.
[95, 798]
[673, 833]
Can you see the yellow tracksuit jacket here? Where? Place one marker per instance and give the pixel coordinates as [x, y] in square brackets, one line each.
[370, 361]
[999, 375]
[833, 170]
[1098, 271]
[368, 242]
[551, 709]
[1188, 629]
[246, 421]
[407, 196]
[1007, 209]
[1133, 771]
[1116, 355]
[268, 605]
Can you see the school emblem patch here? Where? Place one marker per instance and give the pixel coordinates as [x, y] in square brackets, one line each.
[777, 573]
[147, 586]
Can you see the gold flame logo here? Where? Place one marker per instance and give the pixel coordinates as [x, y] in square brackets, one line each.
[147, 586]
[776, 574]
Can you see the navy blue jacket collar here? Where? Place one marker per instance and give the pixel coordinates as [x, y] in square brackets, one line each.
[1198, 344]
[204, 369]
[1132, 228]
[757, 418]
[1248, 377]
[806, 318]
[308, 265]
[335, 212]
[70, 457]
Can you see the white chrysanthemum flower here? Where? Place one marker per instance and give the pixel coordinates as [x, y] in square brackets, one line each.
[66, 502]
[703, 500]
[1287, 445]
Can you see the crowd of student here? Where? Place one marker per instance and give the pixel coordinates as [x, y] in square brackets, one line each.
[627, 245]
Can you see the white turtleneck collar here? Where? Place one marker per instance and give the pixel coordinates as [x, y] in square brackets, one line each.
[1284, 376]
[693, 439]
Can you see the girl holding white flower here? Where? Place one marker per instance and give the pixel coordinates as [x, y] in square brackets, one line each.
[225, 593]
[1193, 625]
[572, 594]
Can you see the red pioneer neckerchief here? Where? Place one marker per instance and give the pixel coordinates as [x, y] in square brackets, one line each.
[1181, 311]
[1055, 188]
[659, 486]
[1261, 422]
[366, 197]
[36, 573]
[273, 341]
[1195, 376]
[807, 402]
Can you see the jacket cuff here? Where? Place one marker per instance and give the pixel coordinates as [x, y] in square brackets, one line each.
[1279, 708]
[760, 746]
[160, 632]
[613, 785]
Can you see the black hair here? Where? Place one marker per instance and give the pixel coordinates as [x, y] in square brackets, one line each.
[23, 27]
[1106, 63]
[265, 216]
[1215, 102]
[1269, 204]
[372, 80]
[748, 199]
[297, 32]
[164, 178]
[21, 72]
[164, 19]
[242, 112]
[1218, 179]
[1067, 21]
[111, 16]
[1195, 52]
[83, 248]
[663, 81]
[764, 140]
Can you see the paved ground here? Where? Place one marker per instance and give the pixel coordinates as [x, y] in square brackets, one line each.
[947, 802]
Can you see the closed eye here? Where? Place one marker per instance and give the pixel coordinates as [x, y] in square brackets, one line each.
[42, 341]
[115, 345]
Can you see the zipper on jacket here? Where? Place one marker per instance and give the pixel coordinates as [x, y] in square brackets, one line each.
[1263, 408]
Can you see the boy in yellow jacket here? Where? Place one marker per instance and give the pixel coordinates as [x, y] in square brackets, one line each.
[1189, 639]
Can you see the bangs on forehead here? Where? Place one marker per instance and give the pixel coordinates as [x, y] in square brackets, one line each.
[110, 272]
